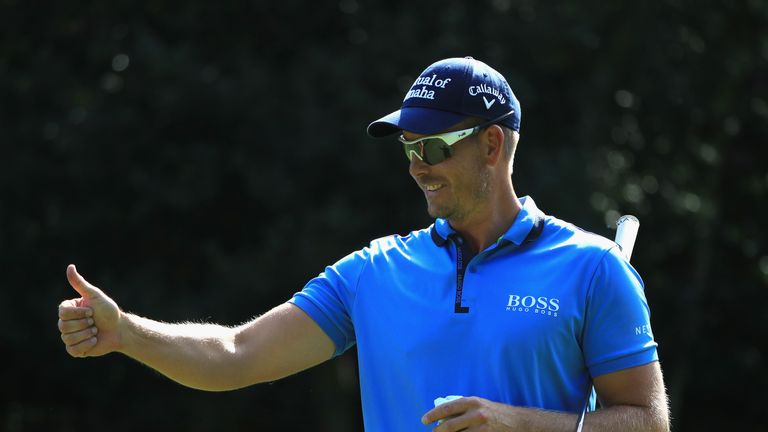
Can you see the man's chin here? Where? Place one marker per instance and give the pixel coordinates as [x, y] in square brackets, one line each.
[438, 212]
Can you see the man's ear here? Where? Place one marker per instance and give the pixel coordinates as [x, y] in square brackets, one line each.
[493, 138]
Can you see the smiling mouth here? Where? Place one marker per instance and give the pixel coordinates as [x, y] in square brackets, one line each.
[433, 187]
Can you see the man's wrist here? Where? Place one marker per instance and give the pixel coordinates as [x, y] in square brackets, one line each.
[129, 328]
[535, 419]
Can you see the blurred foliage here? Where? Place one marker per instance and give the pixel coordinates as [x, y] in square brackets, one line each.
[202, 161]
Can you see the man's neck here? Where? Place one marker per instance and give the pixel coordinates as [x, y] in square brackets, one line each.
[487, 224]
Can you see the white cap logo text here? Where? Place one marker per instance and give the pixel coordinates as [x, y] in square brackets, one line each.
[424, 82]
[482, 88]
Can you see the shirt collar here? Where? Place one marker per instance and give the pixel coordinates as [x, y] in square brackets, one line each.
[517, 233]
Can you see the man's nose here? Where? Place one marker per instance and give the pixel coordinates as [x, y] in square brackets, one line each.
[417, 167]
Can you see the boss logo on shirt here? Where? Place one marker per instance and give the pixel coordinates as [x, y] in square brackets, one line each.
[548, 306]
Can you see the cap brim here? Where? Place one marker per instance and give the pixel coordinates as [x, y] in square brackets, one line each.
[424, 121]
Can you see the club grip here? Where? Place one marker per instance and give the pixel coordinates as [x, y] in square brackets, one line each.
[626, 233]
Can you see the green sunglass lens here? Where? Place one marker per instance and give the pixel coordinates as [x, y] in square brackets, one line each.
[412, 150]
[436, 151]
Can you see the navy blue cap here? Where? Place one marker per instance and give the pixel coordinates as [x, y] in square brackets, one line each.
[446, 93]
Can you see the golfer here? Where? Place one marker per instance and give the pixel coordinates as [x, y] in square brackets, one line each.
[529, 318]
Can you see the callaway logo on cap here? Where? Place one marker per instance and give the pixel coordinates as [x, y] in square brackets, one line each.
[446, 93]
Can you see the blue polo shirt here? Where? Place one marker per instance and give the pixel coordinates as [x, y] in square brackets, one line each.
[528, 321]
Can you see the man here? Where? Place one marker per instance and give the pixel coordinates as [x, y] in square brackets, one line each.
[518, 311]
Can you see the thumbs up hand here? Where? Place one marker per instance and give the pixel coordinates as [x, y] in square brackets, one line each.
[89, 325]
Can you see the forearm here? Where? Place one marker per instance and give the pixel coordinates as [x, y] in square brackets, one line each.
[210, 357]
[621, 417]
[196, 355]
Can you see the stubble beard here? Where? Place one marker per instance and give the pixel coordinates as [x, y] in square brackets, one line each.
[461, 207]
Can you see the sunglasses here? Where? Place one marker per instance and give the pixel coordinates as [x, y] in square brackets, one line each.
[436, 148]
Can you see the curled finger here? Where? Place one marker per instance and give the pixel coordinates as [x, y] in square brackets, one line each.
[81, 349]
[74, 325]
[77, 337]
[74, 312]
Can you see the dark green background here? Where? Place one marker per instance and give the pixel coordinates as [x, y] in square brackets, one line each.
[202, 160]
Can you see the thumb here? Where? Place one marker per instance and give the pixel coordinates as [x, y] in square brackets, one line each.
[81, 285]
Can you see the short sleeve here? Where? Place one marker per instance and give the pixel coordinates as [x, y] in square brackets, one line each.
[617, 331]
[329, 297]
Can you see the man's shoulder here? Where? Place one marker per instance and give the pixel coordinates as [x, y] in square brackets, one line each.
[401, 242]
[558, 232]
